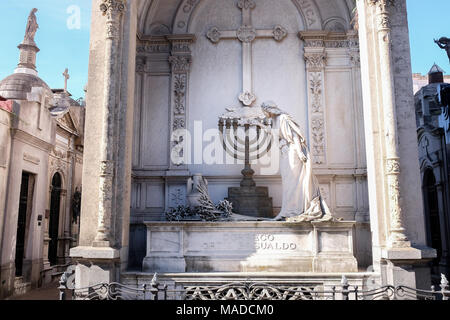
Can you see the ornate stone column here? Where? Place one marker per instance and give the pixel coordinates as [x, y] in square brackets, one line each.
[397, 236]
[102, 250]
[315, 58]
[391, 146]
[180, 60]
[112, 10]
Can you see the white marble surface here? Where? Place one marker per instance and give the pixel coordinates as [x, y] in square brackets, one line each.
[249, 246]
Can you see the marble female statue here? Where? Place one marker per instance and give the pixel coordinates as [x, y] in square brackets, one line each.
[32, 27]
[302, 200]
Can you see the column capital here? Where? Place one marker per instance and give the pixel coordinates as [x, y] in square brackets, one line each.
[384, 21]
[112, 8]
[315, 61]
[180, 63]
[381, 4]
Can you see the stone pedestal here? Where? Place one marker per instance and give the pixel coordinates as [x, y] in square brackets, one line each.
[249, 247]
[251, 201]
[408, 267]
[95, 265]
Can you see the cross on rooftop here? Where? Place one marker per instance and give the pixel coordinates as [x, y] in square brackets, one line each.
[66, 77]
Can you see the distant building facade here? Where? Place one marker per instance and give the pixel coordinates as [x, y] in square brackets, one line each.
[41, 157]
[420, 81]
[433, 123]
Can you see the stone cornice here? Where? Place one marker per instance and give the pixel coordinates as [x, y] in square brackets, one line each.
[29, 139]
[331, 40]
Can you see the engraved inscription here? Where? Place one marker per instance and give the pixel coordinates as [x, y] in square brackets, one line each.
[269, 242]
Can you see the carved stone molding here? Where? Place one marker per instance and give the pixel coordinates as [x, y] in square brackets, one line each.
[279, 33]
[180, 85]
[180, 64]
[31, 159]
[315, 61]
[214, 35]
[355, 58]
[180, 61]
[246, 4]
[393, 166]
[154, 46]
[384, 20]
[247, 98]
[113, 10]
[316, 58]
[246, 34]
[179, 123]
[318, 140]
[315, 86]
[317, 116]
[140, 64]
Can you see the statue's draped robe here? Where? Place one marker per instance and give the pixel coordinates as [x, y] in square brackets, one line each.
[32, 27]
[301, 192]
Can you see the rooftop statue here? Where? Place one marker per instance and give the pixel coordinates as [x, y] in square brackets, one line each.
[444, 43]
[32, 27]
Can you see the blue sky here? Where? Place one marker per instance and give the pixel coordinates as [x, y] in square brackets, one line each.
[63, 47]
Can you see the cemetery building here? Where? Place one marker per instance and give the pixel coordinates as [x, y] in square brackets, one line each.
[41, 157]
[432, 102]
[420, 81]
[170, 84]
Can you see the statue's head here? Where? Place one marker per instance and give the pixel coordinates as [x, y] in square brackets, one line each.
[34, 10]
[271, 109]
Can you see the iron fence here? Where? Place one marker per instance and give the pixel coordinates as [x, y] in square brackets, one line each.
[247, 290]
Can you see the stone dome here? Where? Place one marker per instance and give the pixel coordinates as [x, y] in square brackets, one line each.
[18, 85]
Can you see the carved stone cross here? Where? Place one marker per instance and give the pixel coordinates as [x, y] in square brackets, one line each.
[66, 77]
[246, 34]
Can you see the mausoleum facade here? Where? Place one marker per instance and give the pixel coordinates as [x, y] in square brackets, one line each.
[161, 76]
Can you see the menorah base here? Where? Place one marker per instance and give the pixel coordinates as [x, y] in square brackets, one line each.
[251, 201]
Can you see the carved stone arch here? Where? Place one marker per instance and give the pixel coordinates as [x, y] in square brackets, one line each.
[158, 29]
[425, 164]
[147, 9]
[347, 8]
[336, 24]
[307, 8]
[60, 171]
[310, 13]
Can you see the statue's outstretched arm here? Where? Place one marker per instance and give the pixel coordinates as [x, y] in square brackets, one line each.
[440, 44]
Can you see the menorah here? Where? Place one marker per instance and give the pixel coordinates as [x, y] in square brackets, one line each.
[235, 131]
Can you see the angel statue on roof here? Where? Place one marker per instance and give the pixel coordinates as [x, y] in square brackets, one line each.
[32, 27]
[302, 200]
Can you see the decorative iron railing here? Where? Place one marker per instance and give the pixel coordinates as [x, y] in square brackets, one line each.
[245, 291]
